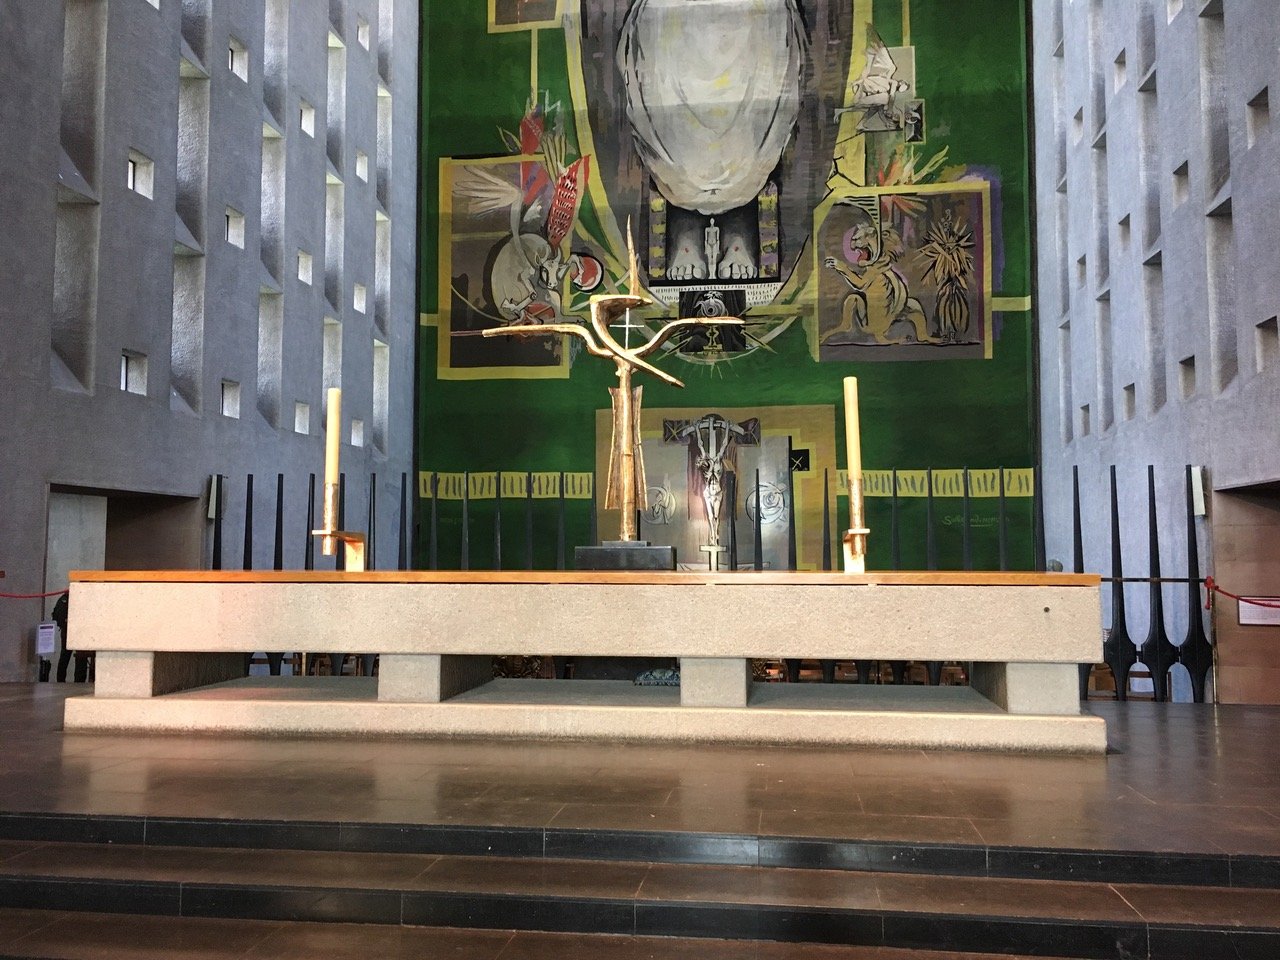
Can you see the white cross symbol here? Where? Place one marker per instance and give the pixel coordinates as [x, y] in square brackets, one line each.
[627, 326]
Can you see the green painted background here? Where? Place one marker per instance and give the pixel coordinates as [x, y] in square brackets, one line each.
[971, 69]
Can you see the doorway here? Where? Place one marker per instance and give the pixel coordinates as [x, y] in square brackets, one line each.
[1246, 559]
[90, 529]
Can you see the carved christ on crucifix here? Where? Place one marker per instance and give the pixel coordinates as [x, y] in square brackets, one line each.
[712, 441]
[626, 489]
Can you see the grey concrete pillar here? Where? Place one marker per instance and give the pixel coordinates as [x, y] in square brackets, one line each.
[430, 678]
[714, 682]
[1033, 688]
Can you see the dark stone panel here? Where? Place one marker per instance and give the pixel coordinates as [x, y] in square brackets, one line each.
[657, 847]
[1110, 866]
[562, 914]
[114, 830]
[71, 828]
[462, 841]
[1255, 872]
[259, 834]
[878, 857]
[1052, 938]
[1188, 943]
[798, 925]
[323, 904]
[98, 896]
[628, 555]
[716, 921]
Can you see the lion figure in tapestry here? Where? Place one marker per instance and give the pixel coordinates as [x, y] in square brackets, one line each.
[879, 299]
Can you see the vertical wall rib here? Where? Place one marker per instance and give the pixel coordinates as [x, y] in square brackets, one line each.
[73, 321]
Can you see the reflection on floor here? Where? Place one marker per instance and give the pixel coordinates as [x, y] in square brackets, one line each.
[1168, 847]
[1179, 778]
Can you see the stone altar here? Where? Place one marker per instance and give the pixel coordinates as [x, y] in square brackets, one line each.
[162, 640]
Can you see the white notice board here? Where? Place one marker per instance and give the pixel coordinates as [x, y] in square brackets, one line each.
[1251, 615]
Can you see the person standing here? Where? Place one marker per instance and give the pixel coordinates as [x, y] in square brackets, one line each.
[82, 659]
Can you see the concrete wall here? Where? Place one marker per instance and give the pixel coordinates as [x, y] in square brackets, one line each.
[1157, 286]
[90, 269]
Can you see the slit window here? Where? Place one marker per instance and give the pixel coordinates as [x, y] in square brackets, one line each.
[140, 174]
[235, 228]
[133, 372]
[1181, 185]
[1187, 377]
[231, 399]
[1259, 117]
[1267, 343]
[238, 58]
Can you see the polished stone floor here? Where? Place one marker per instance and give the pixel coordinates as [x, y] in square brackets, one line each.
[89, 936]
[1179, 778]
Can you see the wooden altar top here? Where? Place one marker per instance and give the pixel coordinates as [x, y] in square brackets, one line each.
[612, 578]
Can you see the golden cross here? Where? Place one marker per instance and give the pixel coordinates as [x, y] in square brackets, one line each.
[626, 489]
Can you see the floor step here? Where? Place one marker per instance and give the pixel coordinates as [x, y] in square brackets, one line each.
[1055, 918]
[55, 935]
[666, 846]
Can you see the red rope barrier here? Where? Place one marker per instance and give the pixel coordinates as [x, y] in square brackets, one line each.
[30, 596]
[1211, 587]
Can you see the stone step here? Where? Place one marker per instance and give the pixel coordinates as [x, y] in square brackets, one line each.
[1039, 917]
[48, 934]
[660, 846]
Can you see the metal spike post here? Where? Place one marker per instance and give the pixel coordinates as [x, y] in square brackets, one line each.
[309, 551]
[247, 560]
[1196, 652]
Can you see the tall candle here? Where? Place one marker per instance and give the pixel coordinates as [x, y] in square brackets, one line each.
[333, 436]
[852, 430]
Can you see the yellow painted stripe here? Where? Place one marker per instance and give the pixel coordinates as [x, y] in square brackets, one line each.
[533, 65]
[983, 484]
[906, 23]
[1011, 304]
[483, 486]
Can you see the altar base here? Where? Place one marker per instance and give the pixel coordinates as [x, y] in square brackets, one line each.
[1023, 636]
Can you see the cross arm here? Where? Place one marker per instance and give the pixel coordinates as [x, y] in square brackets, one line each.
[545, 329]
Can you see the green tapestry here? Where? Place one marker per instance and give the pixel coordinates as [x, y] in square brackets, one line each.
[850, 178]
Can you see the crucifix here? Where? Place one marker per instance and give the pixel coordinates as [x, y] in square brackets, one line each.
[626, 489]
[711, 440]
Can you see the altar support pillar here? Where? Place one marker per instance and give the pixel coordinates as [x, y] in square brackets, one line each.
[1029, 688]
[714, 682]
[430, 678]
[132, 673]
